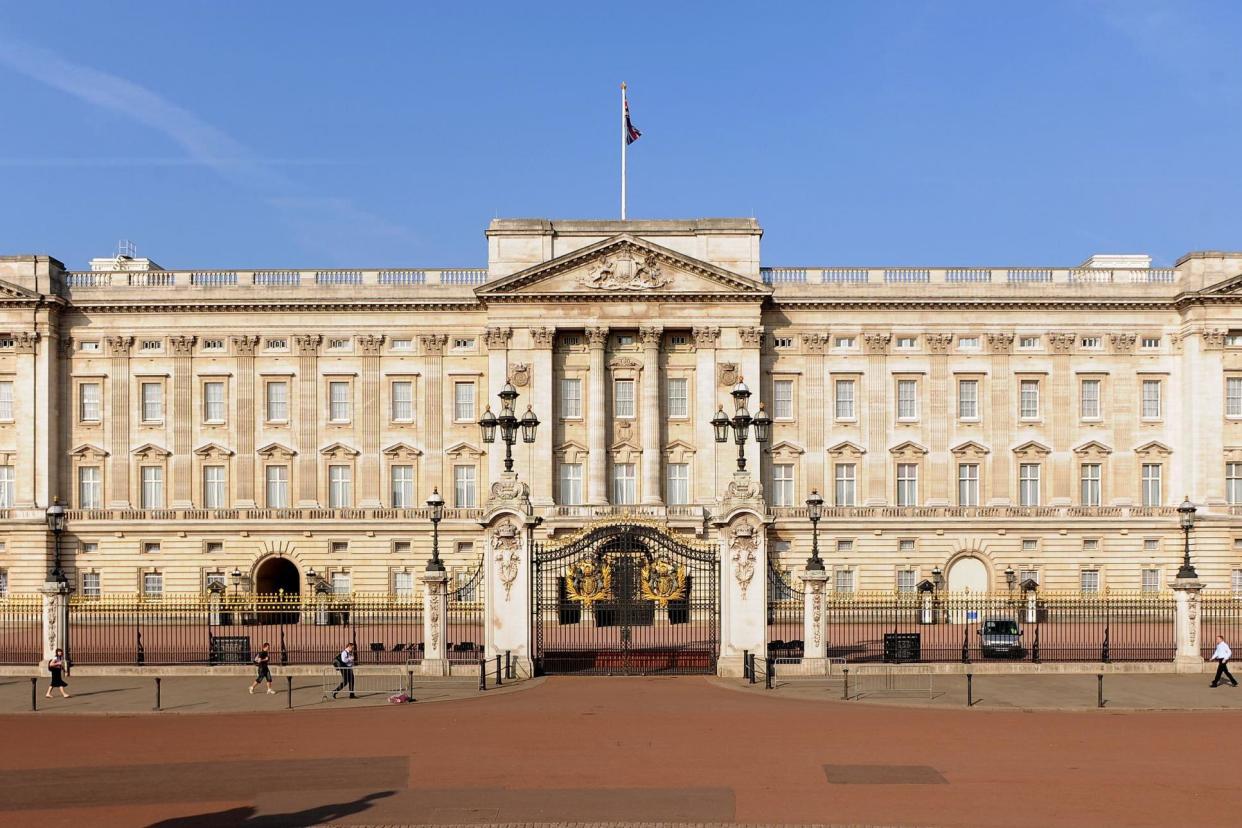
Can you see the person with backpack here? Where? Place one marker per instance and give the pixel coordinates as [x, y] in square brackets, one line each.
[261, 660]
[345, 663]
[58, 666]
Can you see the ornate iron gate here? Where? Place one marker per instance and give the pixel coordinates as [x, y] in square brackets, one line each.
[626, 598]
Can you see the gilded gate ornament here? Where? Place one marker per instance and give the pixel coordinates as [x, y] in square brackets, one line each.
[662, 582]
[588, 581]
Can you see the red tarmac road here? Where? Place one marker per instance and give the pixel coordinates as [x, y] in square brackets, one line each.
[624, 749]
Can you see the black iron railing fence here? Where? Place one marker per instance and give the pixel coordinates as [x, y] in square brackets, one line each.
[1221, 614]
[21, 629]
[464, 618]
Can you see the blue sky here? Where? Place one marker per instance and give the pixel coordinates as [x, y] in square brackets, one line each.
[869, 133]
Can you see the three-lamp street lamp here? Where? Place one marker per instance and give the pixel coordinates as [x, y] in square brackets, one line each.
[741, 423]
[814, 510]
[508, 423]
[56, 523]
[1186, 517]
[436, 502]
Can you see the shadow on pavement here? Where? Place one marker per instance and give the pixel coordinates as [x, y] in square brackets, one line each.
[248, 818]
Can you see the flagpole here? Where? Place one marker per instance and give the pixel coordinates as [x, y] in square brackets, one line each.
[624, 142]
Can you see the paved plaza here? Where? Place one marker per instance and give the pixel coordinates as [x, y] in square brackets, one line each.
[627, 750]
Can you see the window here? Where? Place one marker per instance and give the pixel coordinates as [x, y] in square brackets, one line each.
[679, 397]
[90, 487]
[1151, 580]
[1151, 399]
[968, 484]
[1025, 575]
[213, 402]
[402, 401]
[1091, 545]
[277, 487]
[338, 344]
[214, 495]
[678, 483]
[1090, 399]
[1028, 484]
[6, 400]
[277, 402]
[90, 585]
[1234, 338]
[907, 342]
[214, 547]
[7, 494]
[1090, 478]
[150, 344]
[1150, 342]
[1151, 484]
[338, 548]
[571, 397]
[906, 546]
[623, 397]
[1151, 546]
[403, 344]
[90, 409]
[340, 487]
[402, 486]
[907, 484]
[1235, 581]
[1028, 399]
[89, 346]
[782, 342]
[151, 548]
[845, 481]
[463, 487]
[341, 584]
[782, 484]
[1233, 484]
[1091, 342]
[88, 548]
[152, 585]
[152, 402]
[276, 344]
[1233, 397]
[403, 584]
[1030, 546]
[213, 346]
[463, 343]
[968, 399]
[1089, 581]
[678, 339]
[906, 580]
[907, 399]
[403, 548]
[571, 484]
[625, 341]
[844, 342]
[338, 402]
[1028, 343]
[215, 582]
[844, 399]
[968, 342]
[152, 495]
[624, 484]
[844, 582]
[463, 402]
[782, 399]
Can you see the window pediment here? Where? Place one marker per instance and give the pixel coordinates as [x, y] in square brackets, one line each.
[150, 451]
[846, 449]
[1032, 450]
[402, 451]
[86, 451]
[679, 451]
[969, 449]
[213, 451]
[1093, 449]
[909, 450]
[571, 452]
[338, 451]
[1154, 448]
[786, 450]
[276, 451]
[463, 451]
[626, 451]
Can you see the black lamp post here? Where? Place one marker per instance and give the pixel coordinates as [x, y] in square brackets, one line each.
[56, 523]
[436, 502]
[938, 576]
[814, 510]
[741, 423]
[1186, 517]
[311, 577]
[236, 575]
[1011, 577]
[509, 423]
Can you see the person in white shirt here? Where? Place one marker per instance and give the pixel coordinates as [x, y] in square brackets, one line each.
[1221, 656]
[345, 663]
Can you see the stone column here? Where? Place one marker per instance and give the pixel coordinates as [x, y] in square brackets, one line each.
[118, 448]
[942, 404]
[743, 598]
[1187, 625]
[1126, 480]
[182, 417]
[1000, 480]
[243, 486]
[28, 397]
[1063, 414]
[435, 624]
[877, 457]
[815, 619]
[432, 347]
[813, 407]
[508, 588]
[705, 402]
[309, 406]
[539, 394]
[497, 341]
[752, 373]
[649, 414]
[597, 451]
[1203, 359]
[55, 618]
[370, 470]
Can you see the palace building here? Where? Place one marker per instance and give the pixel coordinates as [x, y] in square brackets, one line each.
[980, 425]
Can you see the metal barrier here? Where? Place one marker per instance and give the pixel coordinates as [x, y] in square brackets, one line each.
[807, 670]
[368, 683]
[463, 616]
[907, 681]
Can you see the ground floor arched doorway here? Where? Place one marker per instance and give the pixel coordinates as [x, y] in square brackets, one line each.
[276, 576]
[968, 574]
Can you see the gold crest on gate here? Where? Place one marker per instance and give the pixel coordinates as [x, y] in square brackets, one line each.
[588, 581]
[662, 582]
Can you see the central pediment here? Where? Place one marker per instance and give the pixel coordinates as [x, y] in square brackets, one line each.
[623, 267]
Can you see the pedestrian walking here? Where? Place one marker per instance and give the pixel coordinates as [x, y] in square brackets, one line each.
[58, 666]
[1221, 656]
[345, 663]
[261, 660]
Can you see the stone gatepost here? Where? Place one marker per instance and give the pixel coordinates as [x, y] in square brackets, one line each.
[508, 522]
[435, 623]
[814, 618]
[55, 618]
[743, 578]
[1187, 625]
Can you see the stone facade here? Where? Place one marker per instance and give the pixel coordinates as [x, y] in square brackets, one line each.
[1046, 420]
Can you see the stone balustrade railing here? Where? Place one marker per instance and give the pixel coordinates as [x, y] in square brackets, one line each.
[952, 275]
[98, 279]
[854, 512]
[422, 513]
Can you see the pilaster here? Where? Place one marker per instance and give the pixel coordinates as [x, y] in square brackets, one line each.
[27, 395]
[812, 408]
[432, 346]
[877, 459]
[244, 429]
[597, 451]
[309, 406]
[497, 341]
[118, 448]
[705, 341]
[650, 414]
[751, 339]
[182, 418]
[1000, 481]
[1127, 482]
[370, 484]
[942, 396]
[1203, 357]
[743, 599]
[541, 397]
[1063, 414]
[507, 559]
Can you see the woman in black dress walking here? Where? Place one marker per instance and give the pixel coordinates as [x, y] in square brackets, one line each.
[59, 668]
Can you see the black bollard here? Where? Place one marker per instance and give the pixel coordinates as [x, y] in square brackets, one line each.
[482, 674]
[845, 693]
[508, 665]
[767, 678]
[970, 690]
[409, 687]
[157, 693]
[499, 680]
[289, 688]
[1099, 690]
[745, 664]
[34, 694]
[752, 669]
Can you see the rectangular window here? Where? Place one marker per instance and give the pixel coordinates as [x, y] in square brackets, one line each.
[277, 402]
[277, 487]
[214, 495]
[845, 484]
[152, 402]
[338, 402]
[90, 409]
[623, 398]
[1028, 484]
[1025, 575]
[1092, 342]
[151, 548]
[6, 400]
[678, 397]
[1233, 397]
[678, 483]
[844, 399]
[968, 399]
[1028, 343]
[1149, 342]
[907, 399]
[402, 486]
[213, 402]
[341, 584]
[571, 484]
[214, 547]
[90, 585]
[463, 402]
[338, 547]
[968, 484]
[844, 582]
[906, 580]
[90, 487]
[782, 399]
[1151, 399]
[1235, 581]
[624, 484]
[783, 484]
[1233, 484]
[152, 585]
[1028, 400]
[1151, 580]
[907, 484]
[152, 487]
[402, 401]
[1089, 581]
[7, 487]
[463, 487]
[844, 342]
[1152, 495]
[1151, 545]
[1090, 479]
[403, 584]
[1089, 400]
[340, 487]
[907, 342]
[571, 397]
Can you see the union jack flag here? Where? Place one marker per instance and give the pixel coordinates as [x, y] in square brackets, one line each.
[631, 132]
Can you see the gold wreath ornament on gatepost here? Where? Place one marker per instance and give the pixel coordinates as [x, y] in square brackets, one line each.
[662, 582]
[589, 581]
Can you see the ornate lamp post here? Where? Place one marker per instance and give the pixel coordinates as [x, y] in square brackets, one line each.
[509, 423]
[56, 523]
[1011, 578]
[741, 423]
[236, 576]
[814, 509]
[436, 502]
[1186, 517]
